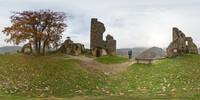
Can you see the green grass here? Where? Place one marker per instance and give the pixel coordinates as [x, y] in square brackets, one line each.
[87, 54]
[32, 76]
[54, 53]
[171, 77]
[112, 59]
[44, 76]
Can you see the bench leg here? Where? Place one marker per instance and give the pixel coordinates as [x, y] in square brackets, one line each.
[138, 61]
[149, 61]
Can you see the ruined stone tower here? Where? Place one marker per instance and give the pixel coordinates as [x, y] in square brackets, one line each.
[181, 44]
[98, 46]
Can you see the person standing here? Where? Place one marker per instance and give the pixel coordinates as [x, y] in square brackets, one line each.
[130, 54]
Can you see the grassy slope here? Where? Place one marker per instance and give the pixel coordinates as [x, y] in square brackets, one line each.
[32, 76]
[179, 76]
[87, 54]
[112, 59]
[25, 76]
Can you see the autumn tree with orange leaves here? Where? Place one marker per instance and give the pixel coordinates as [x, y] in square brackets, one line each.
[42, 28]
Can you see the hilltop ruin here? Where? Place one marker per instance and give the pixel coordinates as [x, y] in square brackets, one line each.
[98, 46]
[69, 47]
[181, 44]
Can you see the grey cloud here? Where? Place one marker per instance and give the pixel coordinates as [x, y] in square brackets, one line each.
[133, 23]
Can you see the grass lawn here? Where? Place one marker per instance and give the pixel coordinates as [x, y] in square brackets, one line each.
[112, 59]
[171, 77]
[44, 76]
[87, 54]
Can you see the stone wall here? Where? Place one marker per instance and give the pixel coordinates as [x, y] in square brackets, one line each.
[110, 45]
[98, 46]
[181, 44]
[69, 47]
[96, 36]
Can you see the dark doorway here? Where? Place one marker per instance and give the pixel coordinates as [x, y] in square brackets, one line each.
[98, 53]
[179, 51]
[182, 50]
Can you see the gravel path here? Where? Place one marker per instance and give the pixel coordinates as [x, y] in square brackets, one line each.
[91, 63]
[107, 68]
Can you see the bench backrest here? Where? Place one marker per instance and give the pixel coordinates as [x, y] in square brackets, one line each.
[144, 59]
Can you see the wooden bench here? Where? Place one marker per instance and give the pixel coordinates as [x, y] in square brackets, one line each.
[6, 53]
[144, 59]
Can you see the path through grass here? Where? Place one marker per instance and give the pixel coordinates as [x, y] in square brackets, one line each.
[112, 59]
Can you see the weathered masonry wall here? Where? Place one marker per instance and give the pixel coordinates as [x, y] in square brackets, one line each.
[98, 46]
[181, 44]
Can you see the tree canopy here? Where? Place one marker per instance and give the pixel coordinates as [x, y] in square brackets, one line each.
[42, 28]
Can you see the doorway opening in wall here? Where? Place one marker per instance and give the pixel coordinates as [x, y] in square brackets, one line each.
[179, 51]
[98, 53]
[182, 50]
[189, 51]
[186, 43]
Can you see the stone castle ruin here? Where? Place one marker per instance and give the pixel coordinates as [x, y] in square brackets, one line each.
[69, 47]
[181, 44]
[26, 49]
[98, 46]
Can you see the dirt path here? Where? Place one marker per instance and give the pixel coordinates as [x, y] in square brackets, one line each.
[91, 63]
[107, 68]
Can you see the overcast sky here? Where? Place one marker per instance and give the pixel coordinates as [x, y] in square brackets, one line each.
[133, 23]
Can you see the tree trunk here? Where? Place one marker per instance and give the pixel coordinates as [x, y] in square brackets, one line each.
[43, 50]
[36, 47]
[39, 49]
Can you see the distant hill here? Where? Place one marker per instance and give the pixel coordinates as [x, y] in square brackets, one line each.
[11, 49]
[136, 51]
[153, 52]
[199, 50]
[14, 49]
